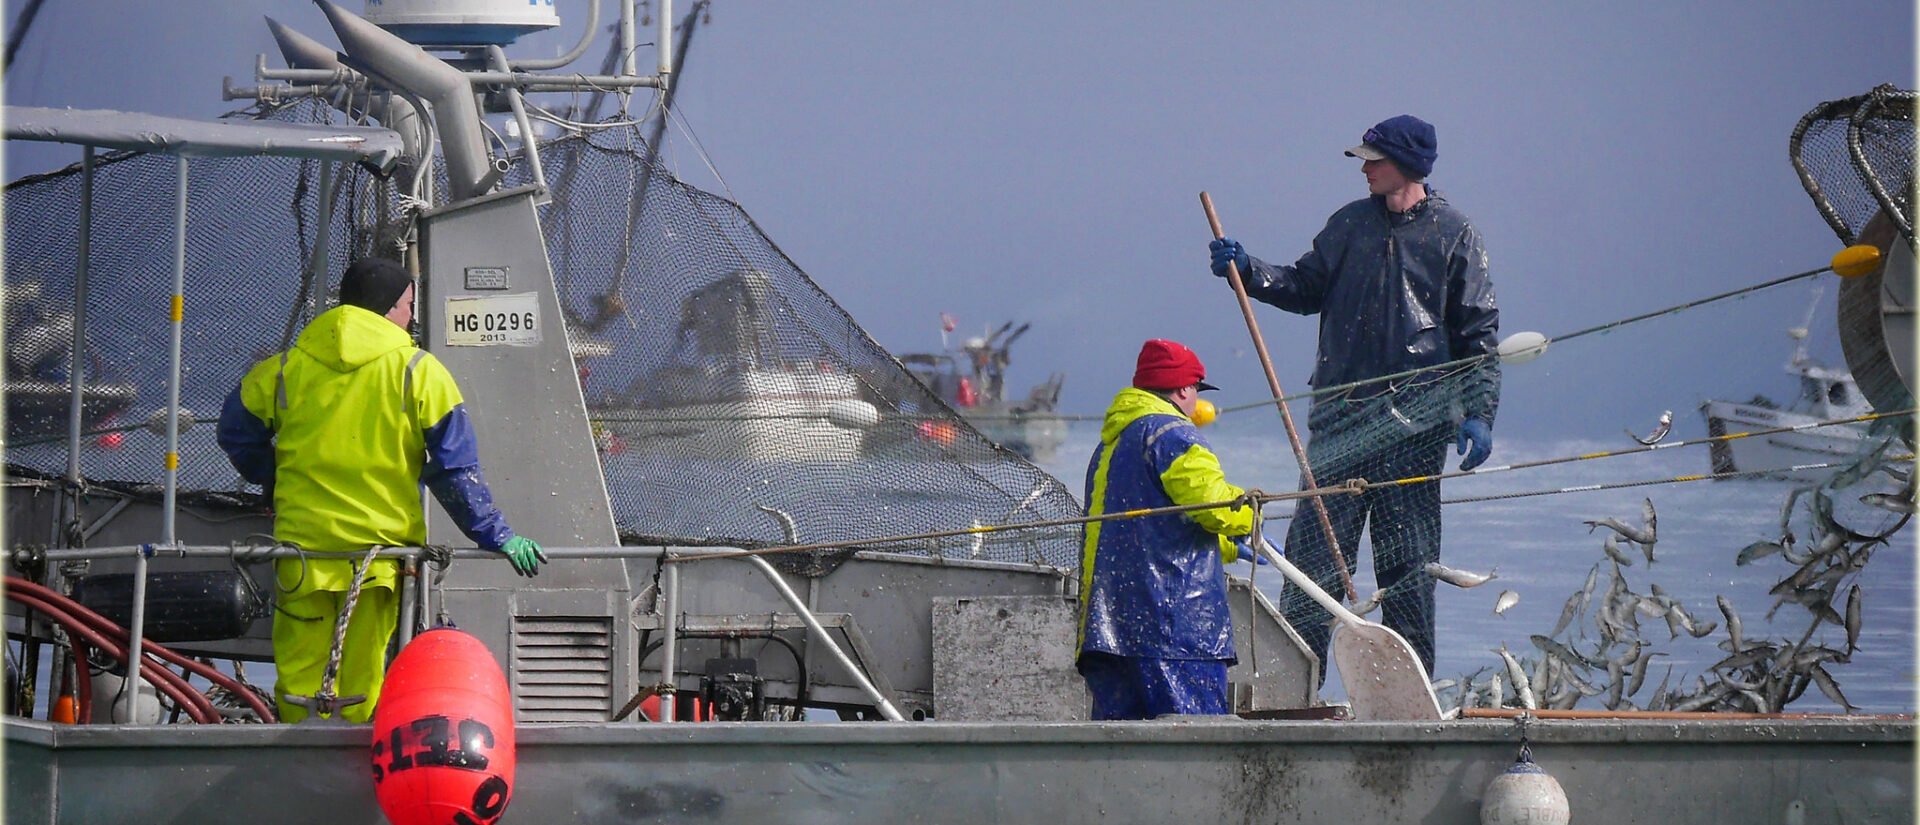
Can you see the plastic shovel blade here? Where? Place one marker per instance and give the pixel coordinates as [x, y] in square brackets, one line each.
[1383, 676]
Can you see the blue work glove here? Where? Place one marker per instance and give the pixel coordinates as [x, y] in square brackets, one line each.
[1247, 553]
[525, 555]
[1225, 251]
[1481, 436]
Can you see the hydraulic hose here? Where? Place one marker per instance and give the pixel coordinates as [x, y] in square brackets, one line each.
[103, 624]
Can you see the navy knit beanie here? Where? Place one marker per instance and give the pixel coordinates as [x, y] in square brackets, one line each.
[374, 284]
[1406, 140]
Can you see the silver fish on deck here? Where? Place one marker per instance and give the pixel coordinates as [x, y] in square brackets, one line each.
[1659, 431]
[1517, 675]
[1460, 578]
[1506, 602]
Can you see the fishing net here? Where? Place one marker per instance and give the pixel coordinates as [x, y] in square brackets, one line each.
[733, 401]
[1811, 476]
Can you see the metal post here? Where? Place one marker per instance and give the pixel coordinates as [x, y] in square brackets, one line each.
[665, 41]
[176, 314]
[529, 146]
[628, 66]
[670, 631]
[813, 627]
[317, 262]
[77, 362]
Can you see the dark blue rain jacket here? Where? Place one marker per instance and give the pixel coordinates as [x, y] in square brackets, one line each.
[1395, 292]
[1154, 586]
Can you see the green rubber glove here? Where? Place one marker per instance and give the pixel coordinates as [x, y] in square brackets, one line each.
[525, 555]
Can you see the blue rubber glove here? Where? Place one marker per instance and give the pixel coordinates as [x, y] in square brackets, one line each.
[1228, 250]
[525, 555]
[1481, 436]
[1247, 553]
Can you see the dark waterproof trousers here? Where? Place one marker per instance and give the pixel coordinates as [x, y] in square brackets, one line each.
[1405, 532]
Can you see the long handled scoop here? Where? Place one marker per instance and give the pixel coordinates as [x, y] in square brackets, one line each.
[1383, 676]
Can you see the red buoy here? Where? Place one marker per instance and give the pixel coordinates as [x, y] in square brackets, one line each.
[443, 734]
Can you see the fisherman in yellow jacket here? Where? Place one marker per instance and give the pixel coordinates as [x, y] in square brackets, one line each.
[341, 431]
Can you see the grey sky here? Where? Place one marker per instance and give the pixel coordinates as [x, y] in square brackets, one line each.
[1041, 161]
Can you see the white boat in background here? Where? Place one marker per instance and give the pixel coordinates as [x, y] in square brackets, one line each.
[1825, 394]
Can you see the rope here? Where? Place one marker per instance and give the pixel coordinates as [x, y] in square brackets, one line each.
[326, 697]
[1475, 359]
[1252, 497]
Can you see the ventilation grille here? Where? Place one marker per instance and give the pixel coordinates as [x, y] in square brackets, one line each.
[562, 668]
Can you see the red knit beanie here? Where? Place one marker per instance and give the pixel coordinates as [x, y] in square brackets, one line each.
[1168, 365]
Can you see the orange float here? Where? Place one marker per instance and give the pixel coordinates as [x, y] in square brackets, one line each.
[443, 745]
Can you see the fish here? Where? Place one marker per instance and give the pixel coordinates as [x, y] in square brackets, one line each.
[1754, 551]
[1890, 501]
[787, 526]
[1630, 533]
[1831, 688]
[1562, 652]
[1522, 687]
[1639, 674]
[1460, 578]
[1613, 551]
[1615, 685]
[1659, 431]
[1506, 601]
[1567, 613]
[1371, 603]
[1651, 522]
[1496, 692]
[1852, 619]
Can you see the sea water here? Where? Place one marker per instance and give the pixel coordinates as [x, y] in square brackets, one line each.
[1543, 552]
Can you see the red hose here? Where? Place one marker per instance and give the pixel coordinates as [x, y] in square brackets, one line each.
[166, 681]
[107, 625]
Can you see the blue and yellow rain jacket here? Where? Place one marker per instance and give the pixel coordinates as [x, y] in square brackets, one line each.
[342, 430]
[1155, 586]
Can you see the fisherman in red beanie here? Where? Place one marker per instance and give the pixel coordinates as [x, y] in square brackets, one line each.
[1139, 661]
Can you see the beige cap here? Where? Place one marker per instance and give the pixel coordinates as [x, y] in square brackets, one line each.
[1366, 151]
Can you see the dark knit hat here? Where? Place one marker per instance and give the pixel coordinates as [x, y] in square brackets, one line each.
[374, 284]
[1406, 140]
[1169, 365]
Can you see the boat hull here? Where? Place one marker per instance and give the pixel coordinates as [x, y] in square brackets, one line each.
[1857, 770]
[1773, 454]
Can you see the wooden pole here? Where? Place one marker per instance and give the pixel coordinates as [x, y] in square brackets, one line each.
[1273, 383]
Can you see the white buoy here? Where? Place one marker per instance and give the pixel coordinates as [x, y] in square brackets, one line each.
[852, 414]
[157, 421]
[1524, 795]
[1521, 347]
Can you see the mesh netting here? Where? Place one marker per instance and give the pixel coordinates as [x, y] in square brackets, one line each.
[734, 402]
[1855, 157]
[1760, 577]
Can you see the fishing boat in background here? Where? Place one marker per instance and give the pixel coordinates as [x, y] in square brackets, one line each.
[1824, 394]
[973, 382]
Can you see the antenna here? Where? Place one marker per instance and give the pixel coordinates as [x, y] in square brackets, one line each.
[1799, 333]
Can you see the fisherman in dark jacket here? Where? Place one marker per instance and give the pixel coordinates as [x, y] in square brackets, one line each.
[1399, 280]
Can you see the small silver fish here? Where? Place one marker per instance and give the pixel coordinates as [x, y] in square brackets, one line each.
[1506, 601]
[1659, 432]
[1567, 613]
[1371, 603]
[1831, 688]
[1756, 550]
[1889, 501]
[1734, 635]
[1636, 535]
[1853, 619]
[1613, 551]
[1517, 675]
[1460, 578]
